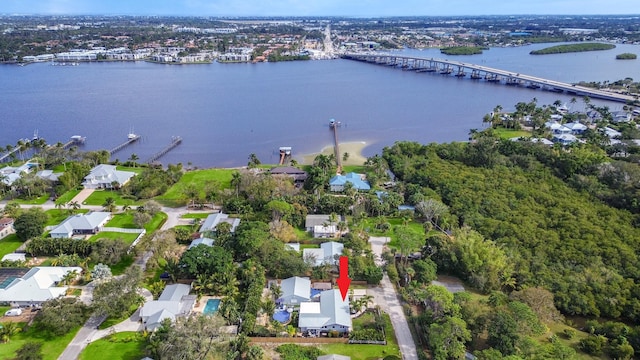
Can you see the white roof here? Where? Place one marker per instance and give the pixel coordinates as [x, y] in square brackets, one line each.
[204, 241]
[106, 174]
[293, 246]
[213, 220]
[576, 126]
[331, 310]
[87, 221]
[14, 257]
[173, 301]
[326, 253]
[296, 286]
[37, 285]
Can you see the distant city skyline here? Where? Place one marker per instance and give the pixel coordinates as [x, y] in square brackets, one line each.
[354, 8]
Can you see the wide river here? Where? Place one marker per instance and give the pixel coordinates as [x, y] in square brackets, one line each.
[224, 112]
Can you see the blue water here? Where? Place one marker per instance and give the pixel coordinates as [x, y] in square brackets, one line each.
[224, 112]
[282, 316]
[211, 307]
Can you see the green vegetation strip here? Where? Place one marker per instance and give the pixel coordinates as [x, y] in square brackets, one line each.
[461, 50]
[561, 49]
[99, 197]
[52, 347]
[121, 346]
[9, 244]
[626, 56]
[128, 238]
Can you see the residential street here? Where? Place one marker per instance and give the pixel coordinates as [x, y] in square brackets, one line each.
[385, 296]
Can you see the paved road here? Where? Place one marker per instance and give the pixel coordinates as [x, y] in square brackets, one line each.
[82, 339]
[385, 296]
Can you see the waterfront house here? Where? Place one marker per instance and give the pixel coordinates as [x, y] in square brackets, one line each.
[295, 290]
[328, 253]
[213, 220]
[174, 302]
[81, 224]
[338, 182]
[576, 127]
[331, 313]
[36, 286]
[620, 116]
[556, 128]
[106, 176]
[298, 176]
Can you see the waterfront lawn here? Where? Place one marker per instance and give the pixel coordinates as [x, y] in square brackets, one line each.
[67, 197]
[511, 133]
[56, 216]
[52, 347]
[100, 196]
[175, 197]
[126, 345]
[137, 169]
[9, 244]
[359, 169]
[128, 238]
[367, 352]
[36, 201]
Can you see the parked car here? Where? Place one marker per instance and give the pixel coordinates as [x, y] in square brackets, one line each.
[13, 312]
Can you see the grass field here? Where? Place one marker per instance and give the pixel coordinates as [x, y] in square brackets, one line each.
[128, 238]
[121, 346]
[9, 244]
[125, 220]
[367, 352]
[136, 169]
[100, 196]
[199, 178]
[57, 216]
[51, 347]
[37, 201]
[66, 197]
[510, 133]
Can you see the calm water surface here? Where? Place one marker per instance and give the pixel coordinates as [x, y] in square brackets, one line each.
[224, 112]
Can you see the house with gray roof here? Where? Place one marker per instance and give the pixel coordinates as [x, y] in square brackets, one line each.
[174, 302]
[331, 313]
[328, 253]
[106, 176]
[213, 220]
[36, 286]
[295, 290]
[338, 182]
[81, 224]
[321, 226]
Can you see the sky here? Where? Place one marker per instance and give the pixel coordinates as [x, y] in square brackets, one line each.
[355, 8]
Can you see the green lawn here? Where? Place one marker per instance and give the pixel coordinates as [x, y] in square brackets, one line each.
[66, 197]
[51, 347]
[156, 222]
[37, 201]
[125, 220]
[119, 268]
[136, 169]
[9, 244]
[128, 238]
[367, 352]
[195, 215]
[57, 216]
[100, 196]
[510, 133]
[359, 169]
[121, 346]
[174, 196]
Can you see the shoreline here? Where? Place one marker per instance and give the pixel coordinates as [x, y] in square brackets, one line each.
[353, 148]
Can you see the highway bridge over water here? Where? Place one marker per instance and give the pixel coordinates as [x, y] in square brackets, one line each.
[477, 72]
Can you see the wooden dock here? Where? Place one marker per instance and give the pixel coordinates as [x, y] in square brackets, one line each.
[175, 141]
[124, 144]
[336, 148]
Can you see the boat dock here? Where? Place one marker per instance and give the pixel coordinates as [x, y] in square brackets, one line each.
[130, 140]
[334, 126]
[175, 141]
[75, 140]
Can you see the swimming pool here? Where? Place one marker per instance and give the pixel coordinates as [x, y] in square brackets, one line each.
[211, 307]
[282, 316]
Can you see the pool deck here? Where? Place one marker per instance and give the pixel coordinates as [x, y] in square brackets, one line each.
[199, 308]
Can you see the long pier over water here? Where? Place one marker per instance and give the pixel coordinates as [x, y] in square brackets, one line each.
[175, 141]
[477, 72]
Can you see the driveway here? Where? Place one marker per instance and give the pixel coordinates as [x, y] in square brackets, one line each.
[385, 296]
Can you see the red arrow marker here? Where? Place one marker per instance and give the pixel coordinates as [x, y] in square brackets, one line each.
[343, 279]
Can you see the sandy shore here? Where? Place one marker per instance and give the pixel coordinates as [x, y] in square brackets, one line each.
[354, 149]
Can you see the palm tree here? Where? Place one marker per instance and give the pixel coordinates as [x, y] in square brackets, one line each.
[8, 329]
[69, 277]
[109, 204]
[126, 207]
[133, 158]
[73, 206]
[236, 179]
[410, 274]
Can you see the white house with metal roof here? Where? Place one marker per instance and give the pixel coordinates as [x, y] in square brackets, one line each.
[81, 224]
[328, 253]
[331, 313]
[213, 220]
[37, 286]
[174, 301]
[106, 176]
[295, 290]
[203, 241]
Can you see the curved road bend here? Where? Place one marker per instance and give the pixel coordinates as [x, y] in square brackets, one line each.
[385, 296]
